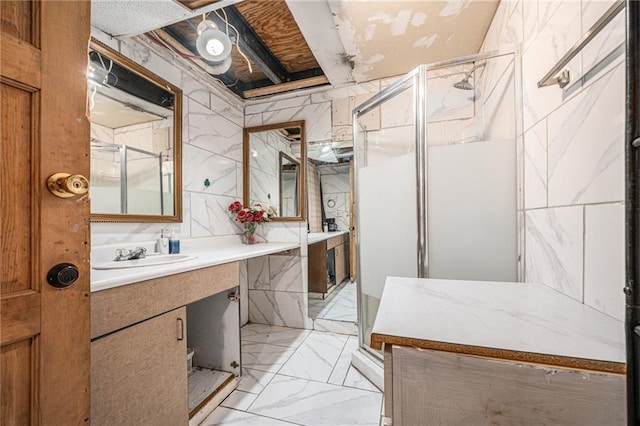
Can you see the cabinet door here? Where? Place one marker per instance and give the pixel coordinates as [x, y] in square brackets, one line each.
[340, 265]
[318, 267]
[139, 374]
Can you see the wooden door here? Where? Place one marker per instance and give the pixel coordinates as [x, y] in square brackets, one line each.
[352, 225]
[44, 374]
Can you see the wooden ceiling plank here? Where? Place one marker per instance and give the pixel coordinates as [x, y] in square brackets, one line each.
[285, 87]
[252, 46]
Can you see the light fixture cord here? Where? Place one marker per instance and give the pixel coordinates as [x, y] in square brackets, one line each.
[226, 21]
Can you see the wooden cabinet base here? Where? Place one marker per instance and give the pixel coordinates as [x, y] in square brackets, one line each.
[440, 388]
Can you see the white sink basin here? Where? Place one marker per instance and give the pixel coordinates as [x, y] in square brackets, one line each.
[151, 260]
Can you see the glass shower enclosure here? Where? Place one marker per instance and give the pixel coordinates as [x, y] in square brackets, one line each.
[437, 178]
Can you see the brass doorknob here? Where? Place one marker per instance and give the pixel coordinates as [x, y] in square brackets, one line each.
[65, 185]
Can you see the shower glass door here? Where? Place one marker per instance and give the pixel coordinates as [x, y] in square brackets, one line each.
[385, 186]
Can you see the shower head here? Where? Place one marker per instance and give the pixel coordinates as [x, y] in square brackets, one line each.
[464, 84]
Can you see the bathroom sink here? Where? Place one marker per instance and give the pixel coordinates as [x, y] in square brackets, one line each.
[151, 260]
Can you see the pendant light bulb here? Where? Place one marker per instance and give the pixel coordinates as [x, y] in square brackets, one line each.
[212, 44]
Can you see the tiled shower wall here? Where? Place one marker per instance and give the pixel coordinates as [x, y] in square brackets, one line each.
[573, 148]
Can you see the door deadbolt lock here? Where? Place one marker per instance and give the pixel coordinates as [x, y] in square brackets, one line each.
[65, 185]
[63, 275]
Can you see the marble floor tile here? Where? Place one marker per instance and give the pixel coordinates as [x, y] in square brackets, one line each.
[316, 356]
[342, 310]
[264, 357]
[312, 403]
[254, 381]
[239, 400]
[274, 335]
[355, 379]
[341, 305]
[226, 416]
[341, 367]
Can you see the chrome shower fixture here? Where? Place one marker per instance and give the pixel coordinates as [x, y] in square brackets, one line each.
[464, 83]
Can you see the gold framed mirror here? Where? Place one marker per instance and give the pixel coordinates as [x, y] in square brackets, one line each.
[136, 141]
[275, 157]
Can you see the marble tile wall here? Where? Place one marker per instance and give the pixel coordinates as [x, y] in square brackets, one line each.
[335, 193]
[573, 148]
[277, 293]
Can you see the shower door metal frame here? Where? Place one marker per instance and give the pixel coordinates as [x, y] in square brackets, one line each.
[417, 78]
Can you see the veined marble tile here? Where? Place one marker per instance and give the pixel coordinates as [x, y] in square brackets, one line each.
[337, 182]
[555, 38]
[315, 404]
[340, 327]
[342, 310]
[226, 416]
[195, 90]
[338, 201]
[252, 120]
[506, 27]
[264, 156]
[586, 145]
[499, 110]
[200, 165]
[274, 335]
[264, 357]
[239, 180]
[254, 381]
[317, 119]
[213, 132]
[355, 379]
[185, 227]
[101, 133]
[390, 143]
[343, 365]
[233, 113]
[286, 272]
[264, 188]
[140, 54]
[535, 166]
[274, 105]
[210, 215]
[315, 357]
[258, 273]
[341, 112]
[397, 111]
[239, 400]
[554, 249]
[114, 233]
[546, 9]
[367, 88]
[604, 43]
[281, 231]
[604, 261]
[530, 22]
[278, 308]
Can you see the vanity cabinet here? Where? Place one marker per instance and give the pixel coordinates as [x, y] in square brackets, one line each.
[140, 333]
[328, 263]
[139, 374]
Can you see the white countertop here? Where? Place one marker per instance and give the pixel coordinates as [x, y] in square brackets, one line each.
[521, 321]
[316, 237]
[231, 251]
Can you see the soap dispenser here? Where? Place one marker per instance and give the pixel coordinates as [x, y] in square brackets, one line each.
[163, 242]
[174, 242]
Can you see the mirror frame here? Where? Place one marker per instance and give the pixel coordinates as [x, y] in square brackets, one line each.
[135, 68]
[246, 157]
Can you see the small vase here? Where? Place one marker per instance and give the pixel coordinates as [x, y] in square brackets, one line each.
[248, 236]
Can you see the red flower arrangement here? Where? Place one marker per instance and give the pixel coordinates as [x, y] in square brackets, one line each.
[250, 217]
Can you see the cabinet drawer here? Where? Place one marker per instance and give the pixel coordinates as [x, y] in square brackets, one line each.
[334, 241]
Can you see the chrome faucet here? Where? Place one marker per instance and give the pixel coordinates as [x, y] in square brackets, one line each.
[136, 253]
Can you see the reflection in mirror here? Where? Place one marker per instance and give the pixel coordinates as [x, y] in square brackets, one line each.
[274, 168]
[135, 141]
[289, 181]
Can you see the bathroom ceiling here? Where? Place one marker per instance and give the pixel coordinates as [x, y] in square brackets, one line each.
[295, 44]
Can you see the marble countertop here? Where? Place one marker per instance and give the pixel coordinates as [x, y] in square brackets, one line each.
[316, 237]
[229, 250]
[526, 322]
